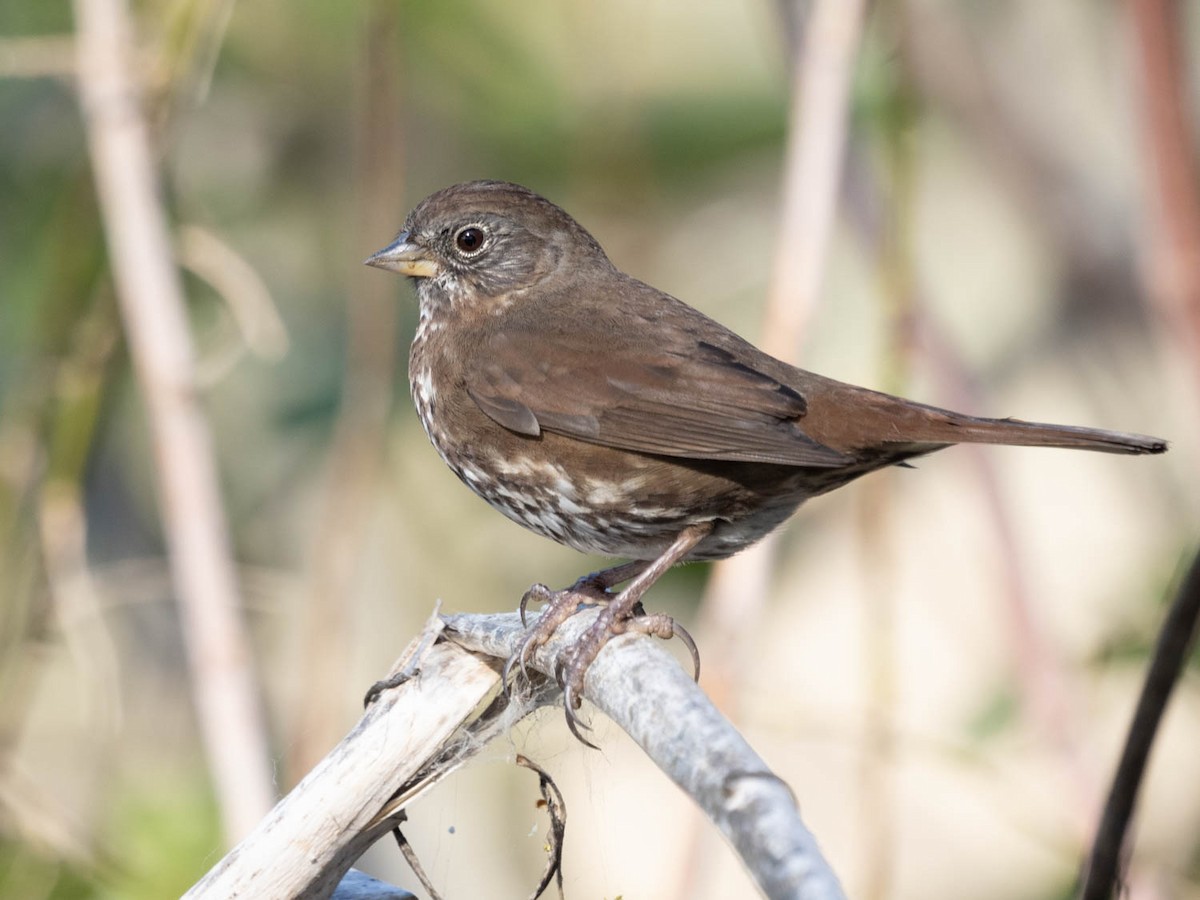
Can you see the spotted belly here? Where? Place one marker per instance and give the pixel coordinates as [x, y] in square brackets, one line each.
[630, 505]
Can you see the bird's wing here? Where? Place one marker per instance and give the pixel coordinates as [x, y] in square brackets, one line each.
[690, 399]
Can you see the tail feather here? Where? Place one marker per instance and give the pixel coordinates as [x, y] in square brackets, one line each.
[858, 421]
[960, 429]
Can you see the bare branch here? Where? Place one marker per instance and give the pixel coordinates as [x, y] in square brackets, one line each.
[312, 837]
[638, 685]
[1172, 240]
[422, 729]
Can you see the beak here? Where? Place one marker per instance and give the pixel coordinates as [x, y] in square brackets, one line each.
[404, 256]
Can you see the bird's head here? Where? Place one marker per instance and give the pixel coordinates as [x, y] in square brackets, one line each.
[486, 239]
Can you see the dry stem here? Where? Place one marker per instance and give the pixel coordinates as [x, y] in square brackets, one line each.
[152, 308]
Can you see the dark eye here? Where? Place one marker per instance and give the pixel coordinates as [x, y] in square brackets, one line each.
[469, 239]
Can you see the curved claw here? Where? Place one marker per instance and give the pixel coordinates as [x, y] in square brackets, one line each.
[519, 658]
[571, 701]
[525, 654]
[683, 635]
[574, 725]
[538, 593]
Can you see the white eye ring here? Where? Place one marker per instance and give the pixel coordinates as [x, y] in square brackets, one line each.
[470, 239]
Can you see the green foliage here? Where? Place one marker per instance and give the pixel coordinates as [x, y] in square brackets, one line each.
[997, 716]
[29, 874]
[162, 838]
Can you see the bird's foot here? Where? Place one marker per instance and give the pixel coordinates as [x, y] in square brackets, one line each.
[621, 613]
[590, 590]
[578, 658]
[616, 618]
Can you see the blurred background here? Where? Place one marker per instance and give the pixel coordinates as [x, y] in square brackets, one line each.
[941, 662]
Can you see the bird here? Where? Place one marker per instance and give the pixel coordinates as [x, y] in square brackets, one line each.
[609, 416]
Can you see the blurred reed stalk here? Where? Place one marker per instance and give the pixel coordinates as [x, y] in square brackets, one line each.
[151, 299]
[1048, 700]
[817, 123]
[356, 457]
[876, 521]
[948, 69]
[1171, 189]
[822, 56]
[79, 390]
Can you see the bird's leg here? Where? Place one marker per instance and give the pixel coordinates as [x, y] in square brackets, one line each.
[622, 612]
[589, 590]
[612, 576]
[617, 617]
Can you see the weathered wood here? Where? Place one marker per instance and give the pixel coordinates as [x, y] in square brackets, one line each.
[311, 838]
[641, 687]
[416, 733]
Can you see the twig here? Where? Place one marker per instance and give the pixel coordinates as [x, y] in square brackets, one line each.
[812, 174]
[1170, 657]
[152, 307]
[260, 328]
[414, 863]
[812, 169]
[556, 808]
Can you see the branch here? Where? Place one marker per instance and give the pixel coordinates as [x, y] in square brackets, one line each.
[307, 843]
[419, 731]
[638, 685]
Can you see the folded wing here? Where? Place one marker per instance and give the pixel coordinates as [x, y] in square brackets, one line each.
[692, 400]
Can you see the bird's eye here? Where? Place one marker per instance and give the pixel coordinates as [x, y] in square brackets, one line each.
[469, 239]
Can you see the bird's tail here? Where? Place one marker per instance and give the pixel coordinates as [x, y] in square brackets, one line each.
[970, 430]
[935, 425]
[853, 420]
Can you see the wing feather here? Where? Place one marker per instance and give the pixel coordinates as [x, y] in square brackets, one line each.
[693, 400]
